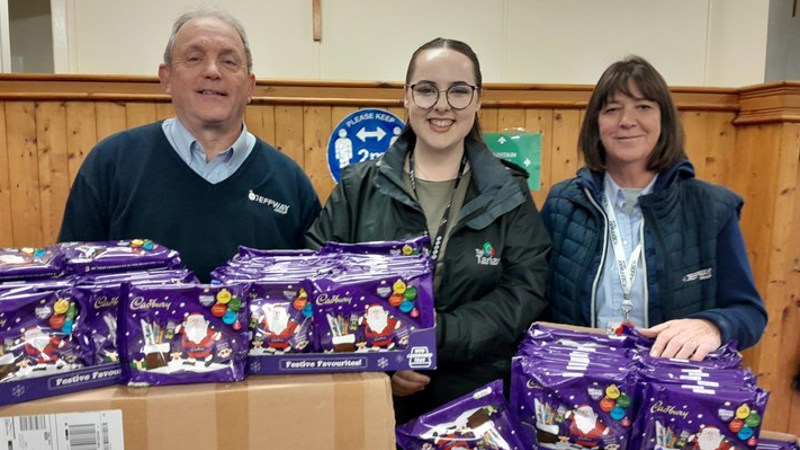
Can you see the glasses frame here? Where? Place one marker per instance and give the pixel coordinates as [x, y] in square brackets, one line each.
[446, 94]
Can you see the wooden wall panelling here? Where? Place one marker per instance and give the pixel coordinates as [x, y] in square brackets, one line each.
[316, 131]
[564, 159]
[6, 226]
[289, 131]
[164, 110]
[541, 121]
[254, 119]
[139, 113]
[488, 119]
[24, 173]
[756, 182]
[778, 351]
[791, 328]
[54, 180]
[84, 126]
[268, 121]
[111, 117]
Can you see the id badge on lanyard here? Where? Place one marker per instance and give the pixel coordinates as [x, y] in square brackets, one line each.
[626, 268]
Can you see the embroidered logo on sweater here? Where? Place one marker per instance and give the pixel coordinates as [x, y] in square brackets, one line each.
[278, 207]
[486, 256]
[704, 274]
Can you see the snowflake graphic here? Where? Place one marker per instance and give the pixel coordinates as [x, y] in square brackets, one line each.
[398, 358]
[383, 363]
[255, 366]
[18, 391]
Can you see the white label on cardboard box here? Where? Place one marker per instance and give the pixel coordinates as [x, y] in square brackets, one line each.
[96, 430]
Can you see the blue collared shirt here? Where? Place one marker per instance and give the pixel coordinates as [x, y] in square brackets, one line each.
[609, 292]
[193, 154]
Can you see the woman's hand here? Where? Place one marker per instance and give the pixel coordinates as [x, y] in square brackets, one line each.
[684, 339]
[407, 382]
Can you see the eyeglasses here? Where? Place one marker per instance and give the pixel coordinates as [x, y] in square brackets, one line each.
[426, 94]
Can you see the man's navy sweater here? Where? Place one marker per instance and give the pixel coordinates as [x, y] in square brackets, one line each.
[134, 185]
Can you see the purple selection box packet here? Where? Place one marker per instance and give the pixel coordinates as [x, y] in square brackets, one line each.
[37, 333]
[184, 334]
[682, 416]
[478, 420]
[582, 405]
[25, 263]
[118, 256]
[411, 247]
[372, 312]
[388, 323]
[40, 353]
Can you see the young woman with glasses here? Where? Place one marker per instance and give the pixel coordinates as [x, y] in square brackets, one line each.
[489, 243]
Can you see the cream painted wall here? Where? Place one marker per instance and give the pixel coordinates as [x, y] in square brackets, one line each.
[692, 42]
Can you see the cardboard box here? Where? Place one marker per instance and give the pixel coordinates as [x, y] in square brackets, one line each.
[315, 411]
[419, 354]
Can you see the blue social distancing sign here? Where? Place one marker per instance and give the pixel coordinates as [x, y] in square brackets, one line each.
[361, 136]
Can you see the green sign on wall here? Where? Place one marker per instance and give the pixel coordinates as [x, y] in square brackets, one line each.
[523, 149]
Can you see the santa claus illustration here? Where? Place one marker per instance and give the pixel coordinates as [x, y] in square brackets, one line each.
[277, 328]
[710, 438]
[42, 348]
[586, 429]
[197, 339]
[379, 327]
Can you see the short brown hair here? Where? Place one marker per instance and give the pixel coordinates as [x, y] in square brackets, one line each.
[669, 148]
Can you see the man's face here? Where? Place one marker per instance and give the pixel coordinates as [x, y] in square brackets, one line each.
[208, 80]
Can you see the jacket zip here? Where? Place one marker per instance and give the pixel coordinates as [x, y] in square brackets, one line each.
[646, 292]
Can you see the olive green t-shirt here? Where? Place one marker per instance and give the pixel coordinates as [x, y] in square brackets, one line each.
[433, 196]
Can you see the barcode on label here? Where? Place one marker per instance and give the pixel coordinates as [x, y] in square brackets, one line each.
[106, 439]
[82, 437]
[32, 423]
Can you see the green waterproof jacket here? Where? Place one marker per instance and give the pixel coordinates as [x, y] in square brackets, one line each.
[484, 303]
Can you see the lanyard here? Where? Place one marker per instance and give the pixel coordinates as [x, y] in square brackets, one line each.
[626, 269]
[437, 244]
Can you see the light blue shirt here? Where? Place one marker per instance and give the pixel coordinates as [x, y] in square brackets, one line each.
[609, 291]
[193, 154]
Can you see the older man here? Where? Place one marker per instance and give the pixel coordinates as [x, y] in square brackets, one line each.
[199, 182]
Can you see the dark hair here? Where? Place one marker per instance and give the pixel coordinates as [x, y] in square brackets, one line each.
[212, 13]
[475, 133]
[669, 148]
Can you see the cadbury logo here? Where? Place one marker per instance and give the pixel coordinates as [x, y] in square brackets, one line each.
[140, 303]
[324, 299]
[668, 409]
[105, 302]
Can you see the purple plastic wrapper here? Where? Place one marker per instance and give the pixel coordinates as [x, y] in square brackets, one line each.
[372, 312]
[184, 334]
[479, 420]
[118, 256]
[593, 406]
[774, 444]
[281, 319]
[28, 263]
[680, 417]
[102, 293]
[36, 334]
[410, 247]
[249, 251]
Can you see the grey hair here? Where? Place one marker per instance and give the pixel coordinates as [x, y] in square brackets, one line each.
[213, 13]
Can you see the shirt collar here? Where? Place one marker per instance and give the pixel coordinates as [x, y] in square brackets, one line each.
[189, 148]
[614, 191]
